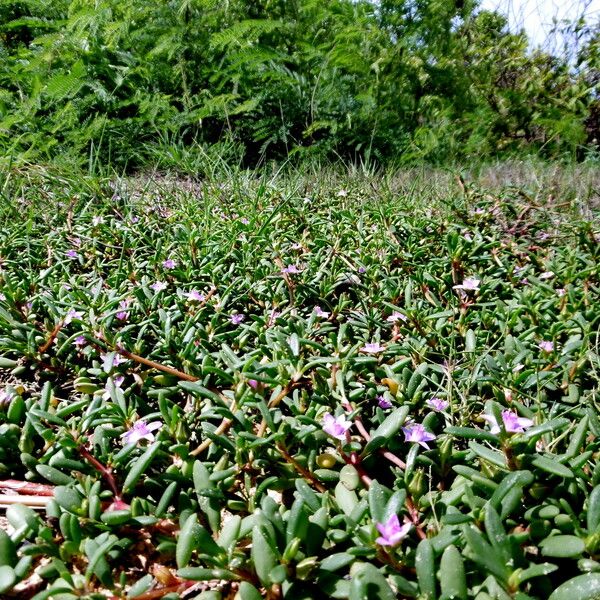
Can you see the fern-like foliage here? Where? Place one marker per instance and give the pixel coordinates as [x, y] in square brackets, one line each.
[399, 80]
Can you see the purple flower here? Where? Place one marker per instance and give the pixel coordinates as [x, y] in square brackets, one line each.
[237, 318]
[291, 270]
[336, 426]
[5, 397]
[72, 315]
[273, 318]
[512, 422]
[97, 221]
[72, 254]
[383, 402]
[111, 360]
[253, 384]
[169, 263]
[195, 296]
[296, 246]
[2, 297]
[141, 431]
[547, 275]
[546, 346]
[372, 348]
[438, 404]
[245, 220]
[392, 533]
[159, 286]
[122, 314]
[395, 317]
[470, 284]
[362, 270]
[321, 313]
[560, 292]
[80, 341]
[416, 433]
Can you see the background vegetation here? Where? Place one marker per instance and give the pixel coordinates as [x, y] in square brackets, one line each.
[149, 82]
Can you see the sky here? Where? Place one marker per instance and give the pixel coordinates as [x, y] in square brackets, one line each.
[536, 16]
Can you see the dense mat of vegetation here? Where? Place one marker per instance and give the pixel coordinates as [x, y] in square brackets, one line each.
[393, 80]
[299, 388]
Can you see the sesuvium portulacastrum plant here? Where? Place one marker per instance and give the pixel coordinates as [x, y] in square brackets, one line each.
[253, 396]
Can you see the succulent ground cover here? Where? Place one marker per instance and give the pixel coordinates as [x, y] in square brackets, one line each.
[298, 388]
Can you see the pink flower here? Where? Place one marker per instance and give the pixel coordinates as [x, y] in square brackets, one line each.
[141, 431]
[253, 383]
[117, 381]
[169, 263]
[470, 284]
[97, 221]
[372, 348]
[546, 346]
[438, 404]
[417, 434]
[336, 426]
[383, 402]
[512, 422]
[395, 317]
[2, 297]
[291, 270]
[80, 341]
[237, 318]
[392, 533]
[159, 286]
[195, 296]
[321, 313]
[560, 292]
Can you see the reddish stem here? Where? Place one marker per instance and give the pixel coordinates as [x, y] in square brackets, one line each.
[365, 434]
[177, 588]
[300, 469]
[354, 459]
[27, 488]
[105, 471]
